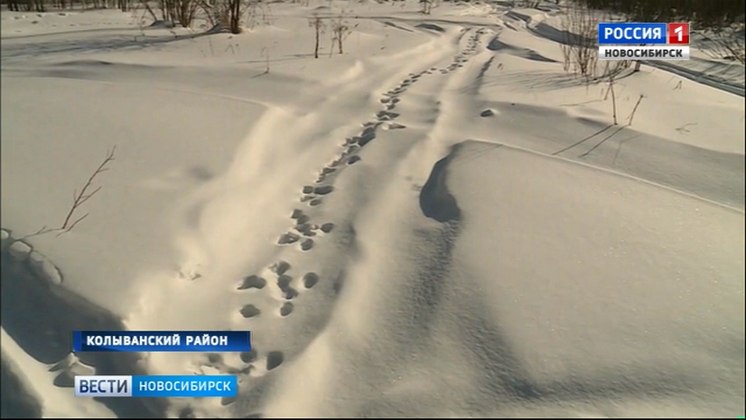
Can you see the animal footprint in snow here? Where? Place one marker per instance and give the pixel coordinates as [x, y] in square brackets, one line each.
[250, 311]
[307, 229]
[189, 274]
[394, 126]
[274, 359]
[310, 280]
[248, 356]
[306, 244]
[280, 267]
[252, 282]
[287, 238]
[323, 190]
[283, 283]
[386, 115]
[286, 308]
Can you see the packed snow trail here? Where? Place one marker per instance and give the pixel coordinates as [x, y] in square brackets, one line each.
[306, 263]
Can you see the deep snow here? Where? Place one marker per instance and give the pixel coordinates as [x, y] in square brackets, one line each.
[439, 221]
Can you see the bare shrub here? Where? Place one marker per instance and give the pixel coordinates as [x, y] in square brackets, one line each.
[224, 14]
[614, 68]
[726, 43]
[217, 13]
[258, 13]
[340, 31]
[184, 11]
[579, 27]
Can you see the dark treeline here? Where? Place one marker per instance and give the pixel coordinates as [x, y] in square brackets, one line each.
[42, 5]
[701, 12]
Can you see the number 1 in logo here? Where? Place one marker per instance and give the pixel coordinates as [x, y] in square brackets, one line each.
[678, 33]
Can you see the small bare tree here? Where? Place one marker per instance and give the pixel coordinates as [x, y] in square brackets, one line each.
[79, 198]
[317, 23]
[185, 10]
[234, 16]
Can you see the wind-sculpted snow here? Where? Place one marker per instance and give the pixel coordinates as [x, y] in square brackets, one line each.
[435, 199]
[39, 315]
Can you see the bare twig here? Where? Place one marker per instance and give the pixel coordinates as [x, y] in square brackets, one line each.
[78, 199]
[82, 196]
[72, 225]
[149, 10]
[265, 52]
[632, 115]
[613, 98]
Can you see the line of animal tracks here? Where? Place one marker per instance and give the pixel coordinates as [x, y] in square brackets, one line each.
[284, 287]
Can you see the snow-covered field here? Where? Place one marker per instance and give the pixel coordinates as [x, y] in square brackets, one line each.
[437, 222]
